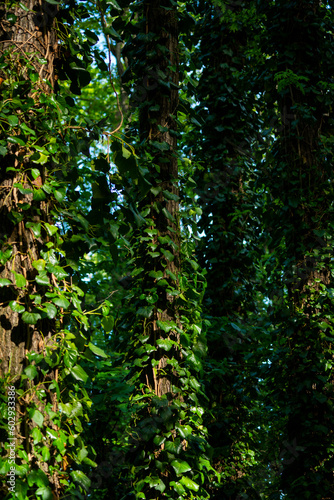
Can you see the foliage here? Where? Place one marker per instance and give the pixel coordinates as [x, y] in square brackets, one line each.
[165, 254]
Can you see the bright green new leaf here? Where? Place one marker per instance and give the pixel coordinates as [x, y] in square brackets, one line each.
[20, 280]
[79, 373]
[188, 483]
[180, 466]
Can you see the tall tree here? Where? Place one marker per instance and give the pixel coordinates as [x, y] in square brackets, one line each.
[299, 168]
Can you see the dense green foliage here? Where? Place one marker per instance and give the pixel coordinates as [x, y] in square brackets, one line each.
[166, 250]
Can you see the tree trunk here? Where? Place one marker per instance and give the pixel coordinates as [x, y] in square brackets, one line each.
[157, 127]
[28, 45]
[300, 181]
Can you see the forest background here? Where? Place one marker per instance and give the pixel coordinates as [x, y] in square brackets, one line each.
[166, 231]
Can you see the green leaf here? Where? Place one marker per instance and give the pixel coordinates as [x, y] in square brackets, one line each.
[16, 140]
[36, 416]
[5, 256]
[168, 215]
[12, 120]
[156, 274]
[51, 230]
[16, 307]
[50, 309]
[165, 344]
[146, 312]
[39, 264]
[114, 4]
[38, 477]
[107, 323]
[30, 318]
[35, 227]
[4, 282]
[165, 326]
[31, 371]
[20, 280]
[168, 255]
[45, 491]
[61, 302]
[45, 452]
[188, 483]
[39, 195]
[79, 373]
[59, 194]
[180, 466]
[79, 477]
[97, 351]
[29, 131]
[171, 196]
[42, 279]
[35, 173]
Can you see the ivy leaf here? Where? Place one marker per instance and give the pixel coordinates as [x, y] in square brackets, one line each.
[39, 195]
[180, 466]
[107, 323]
[79, 477]
[39, 264]
[35, 173]
[35, 227]
[45, 491]
[169, 256]
[36, 416]
[30, 318]
[4, 282]
[168, 215]
[97, 351]
[20, 280]
[59, 194]
[61, 302]
[51, 230]
[114, 4]
[165, 344]
[45, 452]
[51, 310]
[16, 307]
[12, 120]
[188, 483]
[146, 312]
[79, 373]
[164, 325]
[42, 279]
[31, 371]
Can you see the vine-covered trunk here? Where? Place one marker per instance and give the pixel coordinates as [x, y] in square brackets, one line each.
[28, 46]
[301, 181]
[157, 127]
